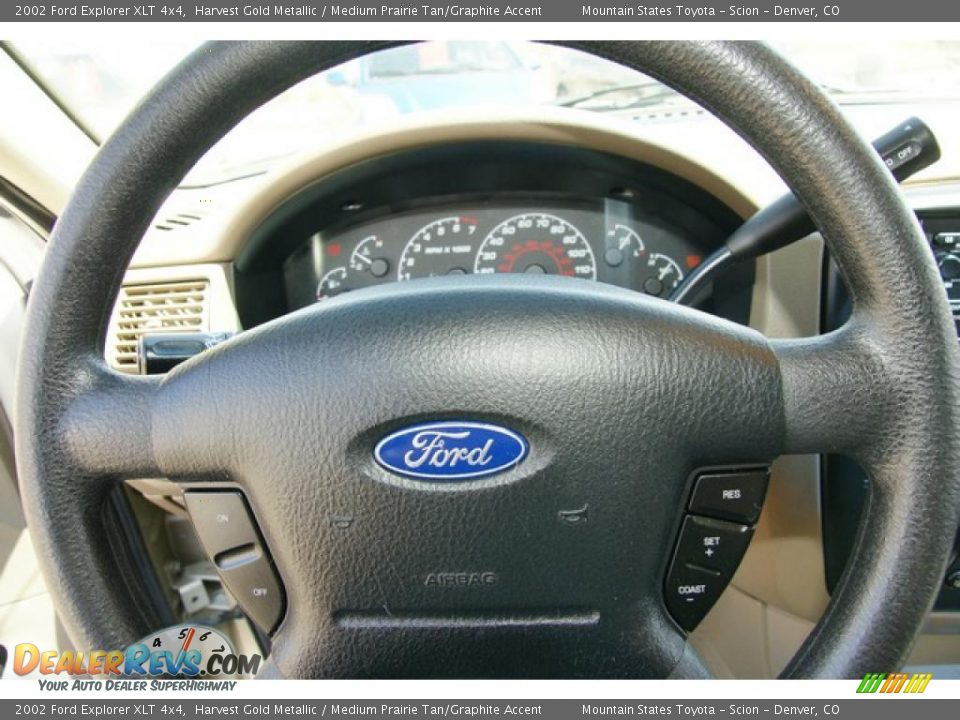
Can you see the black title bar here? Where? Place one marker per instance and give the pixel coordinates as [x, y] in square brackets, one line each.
[488, 11]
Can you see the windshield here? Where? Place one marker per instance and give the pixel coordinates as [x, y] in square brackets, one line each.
[102, 82]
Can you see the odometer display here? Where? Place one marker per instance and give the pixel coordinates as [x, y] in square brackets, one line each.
[536, 243]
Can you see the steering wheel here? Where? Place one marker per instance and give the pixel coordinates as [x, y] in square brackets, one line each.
[620, 398]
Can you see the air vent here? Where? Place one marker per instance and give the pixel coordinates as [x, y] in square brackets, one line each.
[180, 220]
[159, 308]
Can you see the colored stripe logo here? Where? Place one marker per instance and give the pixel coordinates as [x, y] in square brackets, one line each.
[894, 683]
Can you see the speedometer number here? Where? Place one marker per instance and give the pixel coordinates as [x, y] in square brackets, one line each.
[442, 247]
[536, 243]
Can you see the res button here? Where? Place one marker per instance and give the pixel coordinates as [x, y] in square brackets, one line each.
[731, 495]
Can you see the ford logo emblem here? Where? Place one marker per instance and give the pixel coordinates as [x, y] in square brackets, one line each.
[451, 451]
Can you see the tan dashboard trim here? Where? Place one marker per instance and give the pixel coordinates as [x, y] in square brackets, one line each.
[219, 238]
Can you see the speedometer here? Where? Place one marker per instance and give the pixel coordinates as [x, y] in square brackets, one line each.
[536, 243]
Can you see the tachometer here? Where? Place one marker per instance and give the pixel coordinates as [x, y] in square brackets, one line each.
[442, 247]
[536, 243]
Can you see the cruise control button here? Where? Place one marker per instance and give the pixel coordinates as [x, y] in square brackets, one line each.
[713, 544]
[731, 495]
[255, 586]
[221, 520]
[691, 592]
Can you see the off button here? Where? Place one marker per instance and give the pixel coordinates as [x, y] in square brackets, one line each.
[731, 495]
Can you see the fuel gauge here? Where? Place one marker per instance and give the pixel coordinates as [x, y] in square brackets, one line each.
[332, 283]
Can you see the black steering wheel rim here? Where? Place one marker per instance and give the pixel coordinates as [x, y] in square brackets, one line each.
[882, 389]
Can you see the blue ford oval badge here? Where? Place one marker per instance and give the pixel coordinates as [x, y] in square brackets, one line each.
[451, 451]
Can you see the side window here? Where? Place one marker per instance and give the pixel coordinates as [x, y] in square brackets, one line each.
[21, 247]
[21, 250]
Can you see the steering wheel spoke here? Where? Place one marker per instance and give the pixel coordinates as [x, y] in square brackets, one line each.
[107, 423]
[835, 392]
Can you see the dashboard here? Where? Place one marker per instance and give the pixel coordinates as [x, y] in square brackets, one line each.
[605, 240]
[485, 208]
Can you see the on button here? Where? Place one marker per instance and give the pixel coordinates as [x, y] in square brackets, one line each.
[221, 520]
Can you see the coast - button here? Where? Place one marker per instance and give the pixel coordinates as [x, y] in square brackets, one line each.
[690, 592]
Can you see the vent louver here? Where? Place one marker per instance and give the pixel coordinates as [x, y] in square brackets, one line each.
[179, 220]
[158, 308]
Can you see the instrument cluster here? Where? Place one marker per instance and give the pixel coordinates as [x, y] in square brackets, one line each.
[604, 240]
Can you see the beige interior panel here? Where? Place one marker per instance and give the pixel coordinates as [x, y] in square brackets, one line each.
[26, 608]
[936, 650]
[786, 298]
[784, 564]
[784, 633]
[732, 637]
